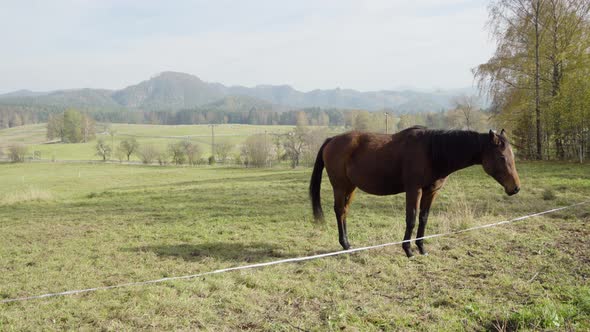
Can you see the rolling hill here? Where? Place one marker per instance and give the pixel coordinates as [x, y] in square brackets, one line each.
[175, 91]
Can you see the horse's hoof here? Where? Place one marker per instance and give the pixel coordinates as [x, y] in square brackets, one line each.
[424, 253]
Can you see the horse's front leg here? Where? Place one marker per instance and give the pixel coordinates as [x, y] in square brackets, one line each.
[412, 202]
[428, 195]
[425, 203]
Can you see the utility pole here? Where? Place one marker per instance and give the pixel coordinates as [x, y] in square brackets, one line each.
[112, 133]
[212, 139]
[386, 126]
[266, 149]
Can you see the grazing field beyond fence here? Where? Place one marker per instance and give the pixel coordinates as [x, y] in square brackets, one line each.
[159, 136]
[73, 226]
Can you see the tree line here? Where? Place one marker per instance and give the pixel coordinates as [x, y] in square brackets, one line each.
[11, 116]
[74, 126]
[296, 148]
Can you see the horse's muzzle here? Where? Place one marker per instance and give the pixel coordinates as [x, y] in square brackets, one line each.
[514, 192]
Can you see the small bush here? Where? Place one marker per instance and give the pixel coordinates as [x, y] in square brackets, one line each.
[256, 151]
[223, 150]
[17, 153]
[548, 194]
[177, 153]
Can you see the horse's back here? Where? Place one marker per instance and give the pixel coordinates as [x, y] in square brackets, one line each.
[376, 163]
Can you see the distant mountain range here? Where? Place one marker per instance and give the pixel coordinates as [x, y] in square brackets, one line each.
[175, 91]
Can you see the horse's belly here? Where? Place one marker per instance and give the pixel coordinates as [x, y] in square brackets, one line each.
[381, 191]
[377, 183]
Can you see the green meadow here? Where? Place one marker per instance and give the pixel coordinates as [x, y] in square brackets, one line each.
[157, 135]
[72, 226]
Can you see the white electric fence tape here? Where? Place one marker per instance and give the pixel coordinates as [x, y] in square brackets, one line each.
[282, 261]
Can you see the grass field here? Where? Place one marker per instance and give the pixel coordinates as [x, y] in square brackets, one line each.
[158, 135]
[68, 226]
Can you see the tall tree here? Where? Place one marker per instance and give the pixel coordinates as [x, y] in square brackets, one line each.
[515, 24]
[55, 127]
[538, 43]
[72, 126]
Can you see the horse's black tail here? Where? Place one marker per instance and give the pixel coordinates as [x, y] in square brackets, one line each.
[316, 184]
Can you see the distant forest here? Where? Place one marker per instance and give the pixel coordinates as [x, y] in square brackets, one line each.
[464, 115]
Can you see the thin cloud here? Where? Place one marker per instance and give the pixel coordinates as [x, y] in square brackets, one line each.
[308, 44]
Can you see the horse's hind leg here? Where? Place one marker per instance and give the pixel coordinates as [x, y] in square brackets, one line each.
[342, 200]
[412, 202]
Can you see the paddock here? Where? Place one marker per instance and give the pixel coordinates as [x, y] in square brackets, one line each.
[91, 226]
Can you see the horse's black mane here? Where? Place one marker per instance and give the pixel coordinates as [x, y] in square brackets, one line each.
[451, 150]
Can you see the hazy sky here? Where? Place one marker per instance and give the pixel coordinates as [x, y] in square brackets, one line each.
[365, 45]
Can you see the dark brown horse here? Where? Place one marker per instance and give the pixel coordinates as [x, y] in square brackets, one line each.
[416, 161]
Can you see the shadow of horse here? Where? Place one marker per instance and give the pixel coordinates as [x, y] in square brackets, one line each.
[227, 251]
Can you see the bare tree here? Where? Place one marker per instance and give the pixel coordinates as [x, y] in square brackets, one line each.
[88, 128]
[191, 151]
[103, 150]
[148, 153]
[294, 144]
[467, 107]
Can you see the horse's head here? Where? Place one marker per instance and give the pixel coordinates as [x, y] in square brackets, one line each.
[498, 161]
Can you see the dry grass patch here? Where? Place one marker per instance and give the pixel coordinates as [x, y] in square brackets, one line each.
[29, 194]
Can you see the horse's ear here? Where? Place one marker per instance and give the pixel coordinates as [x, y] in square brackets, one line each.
[503, 133]
[494, 138]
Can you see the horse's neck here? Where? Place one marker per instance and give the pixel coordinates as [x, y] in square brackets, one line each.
[467, 155]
